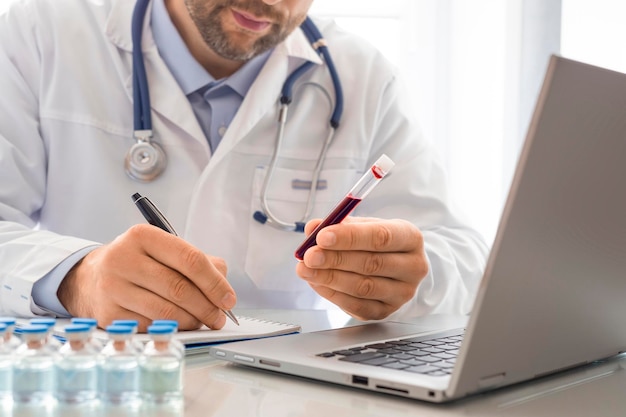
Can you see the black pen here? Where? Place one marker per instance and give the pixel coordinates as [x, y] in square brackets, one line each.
[152, 214]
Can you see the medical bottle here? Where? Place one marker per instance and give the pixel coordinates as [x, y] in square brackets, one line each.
[6, 367]
[161, 367]
[52, 342]
[96, 343]
[134, 324]
[10, 339]
[175, 342]
[119, 368]
[77, 367]
[33, 368]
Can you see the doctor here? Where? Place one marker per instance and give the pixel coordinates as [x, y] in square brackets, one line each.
[71, 240]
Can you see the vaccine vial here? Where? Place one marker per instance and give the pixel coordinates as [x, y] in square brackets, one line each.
[134, 324]
[6, 367]
[175, 342]
[33, 369]
[52, 342]
[161, 367]
[77, 367]
[95, 343]
[119, 368]
[10, 339]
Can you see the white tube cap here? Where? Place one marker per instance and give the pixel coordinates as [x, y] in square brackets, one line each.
[383, 165]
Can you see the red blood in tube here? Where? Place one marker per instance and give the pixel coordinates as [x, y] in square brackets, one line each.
[340, 212]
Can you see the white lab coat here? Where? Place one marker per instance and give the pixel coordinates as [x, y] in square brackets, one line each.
[66, 121]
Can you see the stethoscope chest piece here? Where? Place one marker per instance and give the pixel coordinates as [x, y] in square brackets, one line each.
[145, 161]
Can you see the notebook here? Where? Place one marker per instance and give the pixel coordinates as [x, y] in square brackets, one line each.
[552, 295]
[198, 341]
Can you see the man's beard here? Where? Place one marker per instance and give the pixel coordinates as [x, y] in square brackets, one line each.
[209, 24]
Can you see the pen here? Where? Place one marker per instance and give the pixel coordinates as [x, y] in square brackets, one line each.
[152, 214]
[362, 188]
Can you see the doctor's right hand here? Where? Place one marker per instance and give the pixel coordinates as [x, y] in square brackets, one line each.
[146, 274]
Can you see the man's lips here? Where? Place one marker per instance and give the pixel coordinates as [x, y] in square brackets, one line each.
[250, 22]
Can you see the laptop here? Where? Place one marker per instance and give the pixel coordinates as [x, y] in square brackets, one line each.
[553, 290]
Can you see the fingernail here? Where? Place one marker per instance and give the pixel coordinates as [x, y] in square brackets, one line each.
[228, 301]
[326, 238]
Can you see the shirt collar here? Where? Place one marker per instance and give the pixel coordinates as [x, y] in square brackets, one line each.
[189, 74]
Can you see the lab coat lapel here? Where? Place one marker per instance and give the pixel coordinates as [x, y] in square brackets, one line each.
[263, 95]
[166, 97]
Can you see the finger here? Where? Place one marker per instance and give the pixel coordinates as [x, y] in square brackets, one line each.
[374, 236]
[311, 225]
[175, 292]
[153, 306]
[386, 290]
[124, 314]
[356, 307]
[408, 267]
[188, 260]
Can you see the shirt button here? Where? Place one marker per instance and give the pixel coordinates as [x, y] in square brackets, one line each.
[221, 131]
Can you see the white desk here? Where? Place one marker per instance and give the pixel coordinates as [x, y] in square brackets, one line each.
[215, 388]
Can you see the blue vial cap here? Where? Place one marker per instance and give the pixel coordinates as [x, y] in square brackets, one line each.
[8, 320]
[85, 320]
[119, 329]
[33, 329]
[161, 329]
[132, 323]
[172, 323]
[44, 321]
[77, 328]
[3, 327]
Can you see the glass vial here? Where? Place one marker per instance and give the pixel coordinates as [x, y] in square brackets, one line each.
[52, 342]
[33, 370]
[10, 338]
[77, 367]
[161, 367]
[119, 368]
[96, 343]
[6, 367]
[175, 342]
[134, 324]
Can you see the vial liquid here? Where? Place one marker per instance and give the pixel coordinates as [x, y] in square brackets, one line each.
[359, 191]
[119, 368]
[77, 367]
[161, 368]
[33, 370]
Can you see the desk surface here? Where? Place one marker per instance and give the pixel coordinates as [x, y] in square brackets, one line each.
[215, 388]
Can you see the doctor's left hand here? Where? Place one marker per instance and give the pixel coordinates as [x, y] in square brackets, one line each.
[368, 267]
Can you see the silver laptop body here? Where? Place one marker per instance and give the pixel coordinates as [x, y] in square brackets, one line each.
[552, 296]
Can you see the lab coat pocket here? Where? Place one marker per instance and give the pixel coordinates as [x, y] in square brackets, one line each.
[270, 260]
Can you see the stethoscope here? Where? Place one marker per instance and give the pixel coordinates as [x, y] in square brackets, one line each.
[146, 159]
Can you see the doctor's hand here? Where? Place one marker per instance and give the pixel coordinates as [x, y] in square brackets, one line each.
[368, 267]
[146, 274]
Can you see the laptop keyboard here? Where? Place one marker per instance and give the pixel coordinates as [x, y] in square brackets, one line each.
[423, 355]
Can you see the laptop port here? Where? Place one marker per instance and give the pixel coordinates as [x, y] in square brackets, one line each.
[360, 380]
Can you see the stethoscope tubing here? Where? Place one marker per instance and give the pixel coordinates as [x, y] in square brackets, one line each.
[143, 121]
[141, 92]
